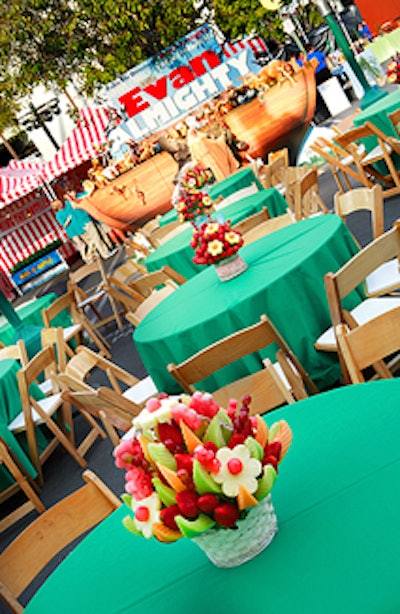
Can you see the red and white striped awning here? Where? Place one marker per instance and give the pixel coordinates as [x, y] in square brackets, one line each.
[21, 176]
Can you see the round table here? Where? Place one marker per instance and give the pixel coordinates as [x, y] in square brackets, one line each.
[284, 280]
[337, 548]
[177, 252]
[242, 179]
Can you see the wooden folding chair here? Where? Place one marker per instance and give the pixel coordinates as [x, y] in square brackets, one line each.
[149, 303]
[89, 297]
[395, 119]
[80, 323]
[269, 387]
[350, 141]
[21, 482]
[368, 345]
[77, 372]
[103, 403]
[36, 412]
[236, 196]
[252, 221]
[16, 351]
[267, 227]
[363, 199]
[347, 299]
[158, 236]
[49, 534]
[306, 199]
[146, 284]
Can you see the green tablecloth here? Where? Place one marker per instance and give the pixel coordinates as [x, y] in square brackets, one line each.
[10, 407]
[31, 314]
[377, 114]
[337, 549]
[177, 252]
[242, 179]
[284, 279]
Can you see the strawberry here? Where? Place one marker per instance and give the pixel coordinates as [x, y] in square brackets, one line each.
[207, 503]
[226, 514]
[187, 503]
[167, 516]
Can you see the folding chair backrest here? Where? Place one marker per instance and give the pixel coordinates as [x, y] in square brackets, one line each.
[358, 199]
[351, 275]
[149, 303]
[229, 349]
[54, 337]
[368, 344]
[147, 283]
[267, 227]
[65, 301]
[395, 119]
[307, 200]
[253, 220]
[55, 529]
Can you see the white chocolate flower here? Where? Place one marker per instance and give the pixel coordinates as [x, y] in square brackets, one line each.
[147, 513]
[237, 469]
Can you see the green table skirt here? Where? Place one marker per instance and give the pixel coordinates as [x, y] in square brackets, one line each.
[177, 252]
[284, 280]
[337, 549]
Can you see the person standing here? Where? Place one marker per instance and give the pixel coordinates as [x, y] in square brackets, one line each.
[322, 74]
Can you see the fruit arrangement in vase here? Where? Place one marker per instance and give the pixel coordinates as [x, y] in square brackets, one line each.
[194, 470]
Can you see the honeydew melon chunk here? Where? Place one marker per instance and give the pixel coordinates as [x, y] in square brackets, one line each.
[129, 524]
[166, 494]
[214, 430]
[192, 528]
[127, 499]
[266, 482]
[203, 481]
[273, 431]
[256, 450]
[160, 454]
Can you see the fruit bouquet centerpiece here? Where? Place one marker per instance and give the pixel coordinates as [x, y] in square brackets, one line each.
[195, 177]
[192, 205]
[217, 243]
[198, 471]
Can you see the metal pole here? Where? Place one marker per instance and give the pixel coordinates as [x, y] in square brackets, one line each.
[372, 94]
[41, 121]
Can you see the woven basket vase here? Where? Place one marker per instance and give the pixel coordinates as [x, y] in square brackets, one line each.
[233, 547]
[230, 267]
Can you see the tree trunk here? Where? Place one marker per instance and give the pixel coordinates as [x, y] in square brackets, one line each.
[8, 146]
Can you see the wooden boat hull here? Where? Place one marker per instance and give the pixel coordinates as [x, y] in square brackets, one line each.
[154, 178]
[280, 119]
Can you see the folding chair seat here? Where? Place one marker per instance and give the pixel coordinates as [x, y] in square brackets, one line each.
[275, 385]
[55, 529]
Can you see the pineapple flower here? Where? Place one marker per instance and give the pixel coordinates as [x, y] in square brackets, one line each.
[211, 228]
[207, 201]
[153, 413]
[147, 513]
[215, 247]
[237, 469]
[232, 237]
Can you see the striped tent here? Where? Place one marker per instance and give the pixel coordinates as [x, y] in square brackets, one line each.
[22, 176]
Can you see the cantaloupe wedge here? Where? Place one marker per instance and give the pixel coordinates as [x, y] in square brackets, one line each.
[285, 437]
[173, 480]
[245, 499]
[165, 534]
[190, 438]
[262, 432]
